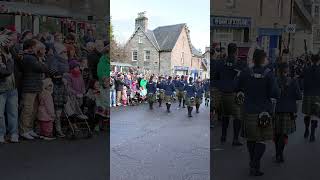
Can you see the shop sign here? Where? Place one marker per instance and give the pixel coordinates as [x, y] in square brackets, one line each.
[230, 22]
[181, 68]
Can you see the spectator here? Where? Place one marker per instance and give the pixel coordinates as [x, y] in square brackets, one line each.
[93, 59]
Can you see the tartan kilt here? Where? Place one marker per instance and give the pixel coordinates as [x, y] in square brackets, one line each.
[151, 98]
[180, 94]
[168, 99]
[161, 95]
[189, 103]
[216, 96]
[252, 132]
[284, 123]
[229, 106]
[198, 100]
[308, 102]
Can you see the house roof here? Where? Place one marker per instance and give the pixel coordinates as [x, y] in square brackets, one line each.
[196, 52]
[167, 36]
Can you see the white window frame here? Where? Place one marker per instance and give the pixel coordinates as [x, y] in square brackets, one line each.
[132, 55]
[139, 40]
[145, 55]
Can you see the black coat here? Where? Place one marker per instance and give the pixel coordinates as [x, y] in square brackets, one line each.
[93, 61]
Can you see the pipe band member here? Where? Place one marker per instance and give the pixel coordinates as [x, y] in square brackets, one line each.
[180, 90]
[200, 90]
[169, 91]
[152, 89]
[185, 83]
[206, 87]
[259, 86]
[286, 109]
[161, 86]
[226, 74]
[190, 90]
[311, 96]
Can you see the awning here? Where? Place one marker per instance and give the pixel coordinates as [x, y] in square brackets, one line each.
[37, 10]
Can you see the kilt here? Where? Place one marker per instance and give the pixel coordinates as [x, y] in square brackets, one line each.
[229, 107]
[189, 103]
[216, 96]
[308, 102]
[252, 132]
[168, 99]
[206, 95]
[151, 98]
[180, 94]
[284, 123]
[161, 95]
[199, 100]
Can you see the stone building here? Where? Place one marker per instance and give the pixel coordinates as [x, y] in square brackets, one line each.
[165, 50]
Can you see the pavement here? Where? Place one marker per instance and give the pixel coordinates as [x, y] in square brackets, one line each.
[154, 145]
[302, 158]
[83, 159]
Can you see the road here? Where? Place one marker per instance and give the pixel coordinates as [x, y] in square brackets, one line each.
[83, 159]
[155, 145]
[302, 158]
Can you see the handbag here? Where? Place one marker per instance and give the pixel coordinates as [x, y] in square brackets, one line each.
[264, 120]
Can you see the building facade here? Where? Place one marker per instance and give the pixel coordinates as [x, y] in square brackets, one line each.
[166, 50]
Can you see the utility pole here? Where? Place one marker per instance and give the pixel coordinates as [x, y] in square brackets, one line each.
[290, 22]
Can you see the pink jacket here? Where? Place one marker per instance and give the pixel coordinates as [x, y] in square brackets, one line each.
[46, 107]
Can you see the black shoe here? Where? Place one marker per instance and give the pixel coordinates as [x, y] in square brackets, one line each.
[306, 133]
[197, 111]
[312, 138]
[314, 125]
[307, 124]
[254, 172]
[237, 143]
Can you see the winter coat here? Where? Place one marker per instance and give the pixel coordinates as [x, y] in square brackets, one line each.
[103, 68]
[93, 61]
[57, 64]
[46, 106]
[75, 84]
[7, 81]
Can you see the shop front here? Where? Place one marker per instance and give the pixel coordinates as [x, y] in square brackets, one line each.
[228, 29]
[181, 70]
[270, 39]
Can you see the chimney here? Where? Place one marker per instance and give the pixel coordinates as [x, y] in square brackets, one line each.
[142, 21]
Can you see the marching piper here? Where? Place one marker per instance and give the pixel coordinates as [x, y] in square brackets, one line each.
[286, 109]
[311, 97]
[169, 91]
[226, 73]
[206, 88]
[258, 86]
[152, 89]
[160, 87]
[180, 90]
[190, 90]
[199, 94]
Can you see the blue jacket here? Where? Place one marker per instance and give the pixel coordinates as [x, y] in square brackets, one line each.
[206, 86]
[226, 73]
[161, 84]
[152, 87]
[311, 81]
[191, 90]
[258, 92]
[180, 85]
[169, 88]
[290, 93]
[200, 90]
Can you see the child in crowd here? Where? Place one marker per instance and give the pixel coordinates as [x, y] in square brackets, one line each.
[124, 96]
[60, 95]
[46, 113]
[75, 81]
[85, 72]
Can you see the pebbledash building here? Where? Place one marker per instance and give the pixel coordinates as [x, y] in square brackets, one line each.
[265, 23]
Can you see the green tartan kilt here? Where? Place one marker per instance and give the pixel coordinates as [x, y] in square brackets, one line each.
[216, 96]
[168, 99]
[308, 102]
[229, 106]
[189, 103]
[252, 132]
[151, 98]
[199, 100]
[284, 123]
[180, 94]
[161, 95]
[184, 95]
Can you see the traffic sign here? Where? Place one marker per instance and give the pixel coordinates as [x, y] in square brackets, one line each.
[291, 28]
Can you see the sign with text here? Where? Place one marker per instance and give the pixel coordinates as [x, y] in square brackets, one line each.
[230, 22]
[291, 28]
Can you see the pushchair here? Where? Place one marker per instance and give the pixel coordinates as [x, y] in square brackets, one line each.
[75, 122]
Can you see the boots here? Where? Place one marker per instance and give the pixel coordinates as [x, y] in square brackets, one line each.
[258, 153]
[307, 124]
[183, 103]
[251, 146]
[58, 128]
[160, 103]
[236, 131]
[314, 125]
[276, 145]
[197, 108]
[279, 145]
[189, 111]
[225, 124]
[180, 102]
[168, 107]
[151, 106]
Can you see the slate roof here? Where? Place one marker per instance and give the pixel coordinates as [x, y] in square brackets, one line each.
[196, 52]
[167, 36]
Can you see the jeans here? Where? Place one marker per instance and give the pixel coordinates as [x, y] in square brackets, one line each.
[112, 97]
[9, 104]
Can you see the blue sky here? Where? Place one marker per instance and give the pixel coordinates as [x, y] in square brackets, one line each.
[196, 13]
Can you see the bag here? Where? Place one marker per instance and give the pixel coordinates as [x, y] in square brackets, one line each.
[239, 99]
[264, 120]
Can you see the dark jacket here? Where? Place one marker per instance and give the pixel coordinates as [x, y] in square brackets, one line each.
[190, 90]
[180, 85]
[7, 81]
[290, 93]
[93, 61]
[200, 90]
[226, 72]
[57, 64]
[152, 87]
[258, 92]
[32, 73]
[169, 88]
[161, 85]
[311, 81]
[119, 84]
